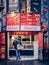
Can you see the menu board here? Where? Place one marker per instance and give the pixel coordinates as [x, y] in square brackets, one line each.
[30, 22]
[2, 52]
[2, 38]
[13, 22]
[23, 22]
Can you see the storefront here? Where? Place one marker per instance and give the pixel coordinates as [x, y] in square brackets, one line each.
[27, 27]
[26, 17]
[29, 41]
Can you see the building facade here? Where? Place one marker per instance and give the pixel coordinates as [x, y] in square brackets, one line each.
[24, 18]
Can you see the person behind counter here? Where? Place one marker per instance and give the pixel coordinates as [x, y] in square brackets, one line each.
[15, 43]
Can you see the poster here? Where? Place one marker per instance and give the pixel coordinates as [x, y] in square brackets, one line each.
[2, 52]
[2, 46]
[2, 38]
[40, 40]
[30, 22]
[13, 22]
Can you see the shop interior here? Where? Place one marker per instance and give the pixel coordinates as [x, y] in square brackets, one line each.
[29, 42]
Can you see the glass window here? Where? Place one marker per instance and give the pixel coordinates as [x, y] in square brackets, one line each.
[32, 37]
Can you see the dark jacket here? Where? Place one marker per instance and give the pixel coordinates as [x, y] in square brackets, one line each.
[15, 44]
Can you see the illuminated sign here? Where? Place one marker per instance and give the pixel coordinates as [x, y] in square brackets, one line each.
[12, 22]
[30, 22]
[23, 22]
[22, 33]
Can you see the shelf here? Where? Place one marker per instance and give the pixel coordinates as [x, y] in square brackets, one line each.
[22, 49]
[1, 8]
[27, 44]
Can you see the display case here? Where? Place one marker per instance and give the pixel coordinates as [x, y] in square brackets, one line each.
[26, 42]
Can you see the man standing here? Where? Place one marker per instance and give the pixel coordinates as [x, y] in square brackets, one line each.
[15, 43]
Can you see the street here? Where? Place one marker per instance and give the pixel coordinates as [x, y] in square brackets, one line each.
[28, 62]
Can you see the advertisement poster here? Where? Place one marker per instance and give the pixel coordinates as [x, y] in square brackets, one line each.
[40, 40]
[13, 6]
[2, 38]
[13, 22]
[30, 22]
[2, 52]
[2, 46]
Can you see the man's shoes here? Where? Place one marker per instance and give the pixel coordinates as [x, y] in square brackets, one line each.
[19, 59]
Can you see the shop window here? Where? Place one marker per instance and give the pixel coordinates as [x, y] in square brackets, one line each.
[25, 39]
[32, 37]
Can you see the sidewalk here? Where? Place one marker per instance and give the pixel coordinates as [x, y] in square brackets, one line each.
[25, 62]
